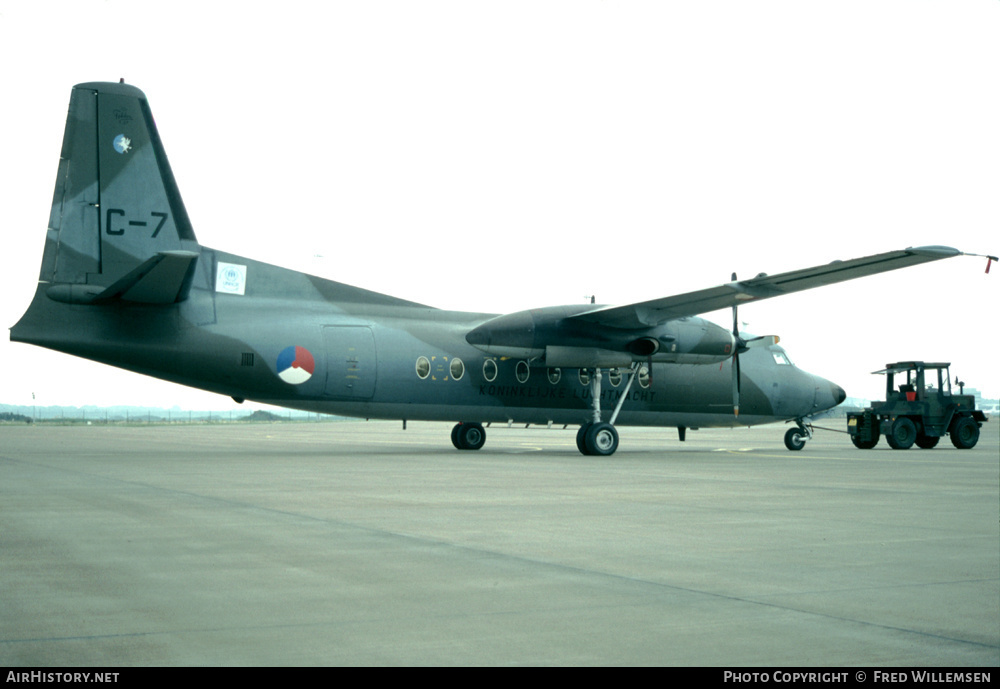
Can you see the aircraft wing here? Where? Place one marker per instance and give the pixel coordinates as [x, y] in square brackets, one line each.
[651, 313]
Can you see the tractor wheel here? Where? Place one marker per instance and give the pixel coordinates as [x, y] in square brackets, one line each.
[902, 435]
[864, 444]
[965, 433]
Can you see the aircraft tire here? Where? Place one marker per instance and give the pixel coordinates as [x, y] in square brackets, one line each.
[601, 439]
[581, 438]
[965, 433]
[795, 439]
[902, 435]
[468, 435]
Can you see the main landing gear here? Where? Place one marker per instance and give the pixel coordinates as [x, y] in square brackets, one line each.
[600, 439]
[468, 435]
[592, 439]
[596, 437]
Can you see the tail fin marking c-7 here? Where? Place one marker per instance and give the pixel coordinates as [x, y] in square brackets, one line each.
[116, 205]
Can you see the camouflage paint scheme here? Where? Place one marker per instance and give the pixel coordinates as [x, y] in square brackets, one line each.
[125, 282]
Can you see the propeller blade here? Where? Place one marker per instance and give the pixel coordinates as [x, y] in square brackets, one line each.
[736, 384]
[762, 341]
[738, 344]
[736, 317]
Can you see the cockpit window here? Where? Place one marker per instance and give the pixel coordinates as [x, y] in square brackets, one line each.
[780, 357]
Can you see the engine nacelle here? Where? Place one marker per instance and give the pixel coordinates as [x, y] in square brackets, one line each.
[573, 343]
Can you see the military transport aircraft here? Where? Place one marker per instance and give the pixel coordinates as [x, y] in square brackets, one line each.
[124, 282]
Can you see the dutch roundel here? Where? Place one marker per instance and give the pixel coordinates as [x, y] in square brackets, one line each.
[295, 365]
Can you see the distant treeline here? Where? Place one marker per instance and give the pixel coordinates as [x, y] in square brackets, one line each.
[14, 418]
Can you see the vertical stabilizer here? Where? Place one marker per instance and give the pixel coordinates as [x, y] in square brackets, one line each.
[116, 204]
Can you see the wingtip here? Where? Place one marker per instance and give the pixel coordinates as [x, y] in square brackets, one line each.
[935, 252]
[941, 251]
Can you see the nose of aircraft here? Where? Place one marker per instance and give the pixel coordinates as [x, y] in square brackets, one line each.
[839, 394]
[828, 394]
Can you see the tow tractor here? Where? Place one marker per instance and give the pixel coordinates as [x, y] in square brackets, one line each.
[916, 411]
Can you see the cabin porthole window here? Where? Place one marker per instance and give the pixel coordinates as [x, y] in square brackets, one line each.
[490, 370]
[584, 377]
[457, 369]
[423, 367]
[644, 376]
[615, 376]
[555, 375]
[522, 372]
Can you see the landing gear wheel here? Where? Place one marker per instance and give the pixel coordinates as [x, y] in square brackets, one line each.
[795, 439]
[965, 433]
[468, 435]
[926, 442]
[600, 439]
[902, 435]
[581, 436]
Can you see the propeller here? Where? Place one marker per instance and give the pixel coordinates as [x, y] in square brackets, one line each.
[741, 345]
[737, 345]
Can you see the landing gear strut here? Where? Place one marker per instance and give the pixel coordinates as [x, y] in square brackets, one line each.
[596, 437]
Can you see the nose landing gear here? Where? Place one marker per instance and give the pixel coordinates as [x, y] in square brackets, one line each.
[795, 438]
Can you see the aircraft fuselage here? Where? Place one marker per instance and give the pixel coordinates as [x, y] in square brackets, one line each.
[303, 342]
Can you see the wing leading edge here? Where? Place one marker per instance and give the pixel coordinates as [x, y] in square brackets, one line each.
[656, 311]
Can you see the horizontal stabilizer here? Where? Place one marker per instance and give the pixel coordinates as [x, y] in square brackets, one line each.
[163, 279]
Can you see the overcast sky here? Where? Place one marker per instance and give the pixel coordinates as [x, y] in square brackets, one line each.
[497, 156]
